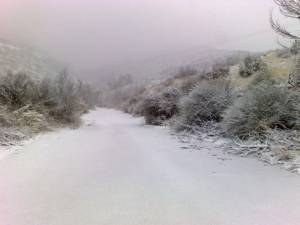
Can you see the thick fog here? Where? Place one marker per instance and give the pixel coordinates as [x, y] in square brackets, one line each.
[92, 33]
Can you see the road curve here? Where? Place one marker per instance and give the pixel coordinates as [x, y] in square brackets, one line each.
[116, 171]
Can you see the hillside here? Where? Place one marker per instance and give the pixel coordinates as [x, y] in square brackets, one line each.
[280, 68]
[24, 59]
[162, 66]
[250, 102]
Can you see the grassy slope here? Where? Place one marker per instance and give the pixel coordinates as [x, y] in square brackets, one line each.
[280, 69]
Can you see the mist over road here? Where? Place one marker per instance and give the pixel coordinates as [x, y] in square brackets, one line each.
[116, 171]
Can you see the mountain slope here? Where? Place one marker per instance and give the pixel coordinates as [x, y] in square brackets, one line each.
[163, 66]
[24, 59]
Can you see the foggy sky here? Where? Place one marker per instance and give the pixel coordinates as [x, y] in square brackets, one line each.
[92, 33]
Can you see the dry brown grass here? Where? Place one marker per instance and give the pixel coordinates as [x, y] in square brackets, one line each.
[238, 82]
[279, 67]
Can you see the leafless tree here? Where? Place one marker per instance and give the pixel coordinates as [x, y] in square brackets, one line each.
[289, 9]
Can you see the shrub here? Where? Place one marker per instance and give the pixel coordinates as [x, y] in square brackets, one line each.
[9, 135]
[157, 108]
[129, 106]
[250, 65]
[6, 119]
[186, 71]
[206, 102]
[87, 95]
[295, 47]
[29, 106]
[294, 77]
[186, 86]
[45, 91]
[262, 108]
[61, 99]
[17, 90]
[30, 119]
[66, 106]
[218, 71]
[264, 76]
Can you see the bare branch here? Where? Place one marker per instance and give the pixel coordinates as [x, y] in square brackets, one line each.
[281, 30]
[289, 8]
[282, 45]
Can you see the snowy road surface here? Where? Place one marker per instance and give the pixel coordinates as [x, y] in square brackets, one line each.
[115, 171]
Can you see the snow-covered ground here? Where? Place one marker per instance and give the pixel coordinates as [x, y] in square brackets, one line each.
[208, 138]
[114, 171]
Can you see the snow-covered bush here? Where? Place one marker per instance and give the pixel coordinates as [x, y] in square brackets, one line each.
[61, 98]
[206, 102]
[158, 107]
[218, 71]
[261, 108]
[87, 95]
[6, 119]
[30, 105]
[17, 90]
[130, 106]
[30, 120]
[187, 85]
[250, 65]
[127, 98]
[66, 106]
[264, 76]
[295, 47]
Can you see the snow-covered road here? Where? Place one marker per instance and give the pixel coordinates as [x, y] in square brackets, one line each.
[115, 171]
